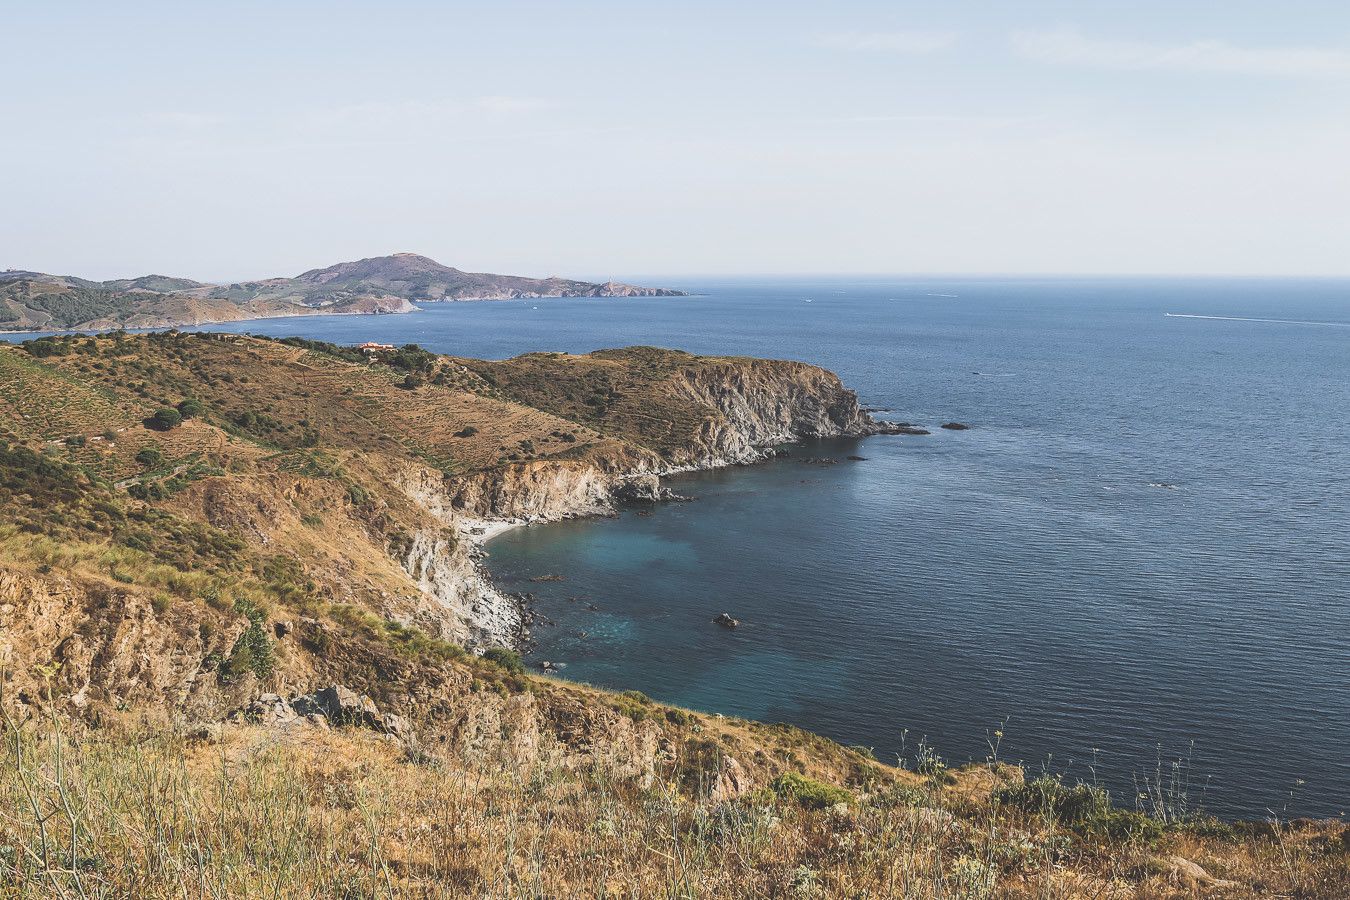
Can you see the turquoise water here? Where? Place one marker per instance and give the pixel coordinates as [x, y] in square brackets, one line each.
[1140, 550]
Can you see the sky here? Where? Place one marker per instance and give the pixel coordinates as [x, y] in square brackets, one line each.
[233, 140]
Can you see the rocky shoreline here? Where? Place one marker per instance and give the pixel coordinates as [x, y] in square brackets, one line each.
[517, 608]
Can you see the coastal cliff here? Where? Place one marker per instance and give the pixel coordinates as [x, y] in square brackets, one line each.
[333, 479]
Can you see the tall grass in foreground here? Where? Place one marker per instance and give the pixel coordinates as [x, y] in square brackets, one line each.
[308, 813]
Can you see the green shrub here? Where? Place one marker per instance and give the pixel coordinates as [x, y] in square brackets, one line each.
[1050, 797]
[1126, 825]
[680, 717]
[150, 457]
[633, 704]
[166, 418]
[191, 409]
[809, 793]
[1086, 808]
[505, 658]
[252, 652]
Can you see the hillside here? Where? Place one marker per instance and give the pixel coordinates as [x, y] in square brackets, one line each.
[241, 619]
[34, 301]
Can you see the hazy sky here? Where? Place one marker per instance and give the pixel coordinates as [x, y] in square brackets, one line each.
[230, 140]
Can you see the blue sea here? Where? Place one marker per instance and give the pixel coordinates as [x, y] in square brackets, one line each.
[1135, 562]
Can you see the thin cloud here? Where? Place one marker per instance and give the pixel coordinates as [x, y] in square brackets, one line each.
[892, 41]
[1068, 46]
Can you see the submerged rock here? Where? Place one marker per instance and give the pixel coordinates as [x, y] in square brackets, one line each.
[955, 426]
[726, 620]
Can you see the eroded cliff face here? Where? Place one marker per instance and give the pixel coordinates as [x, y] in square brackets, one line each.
[457, 601]
[763, 403]
[87, 642]
[548, 490]
[751, 406]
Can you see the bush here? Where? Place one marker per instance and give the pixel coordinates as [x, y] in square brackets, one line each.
[1049, 797]
[412, 358]
[150, 457]
[1124, 825]
[505, 658]
[809, 793]
[680, 717]
[43, 347]
[466, 432]
[253, 651]
[166, 418]
[1086, 808]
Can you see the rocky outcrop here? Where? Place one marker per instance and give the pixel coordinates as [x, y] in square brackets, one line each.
[97, 645]
[333, 705]
[761, 403]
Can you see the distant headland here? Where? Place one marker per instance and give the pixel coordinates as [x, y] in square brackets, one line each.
[34, 301]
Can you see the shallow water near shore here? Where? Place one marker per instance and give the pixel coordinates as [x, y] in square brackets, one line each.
[1140, 550]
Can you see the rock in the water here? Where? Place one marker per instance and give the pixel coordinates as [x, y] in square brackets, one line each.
[899, 428]
[858, 458]
[726, 620]
[955, 426]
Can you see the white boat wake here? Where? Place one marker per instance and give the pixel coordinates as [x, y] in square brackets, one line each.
[1247, 319]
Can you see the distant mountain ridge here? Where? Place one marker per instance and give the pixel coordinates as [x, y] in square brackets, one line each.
[35, 301]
